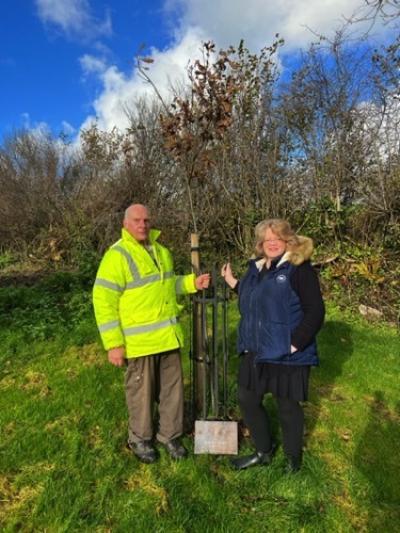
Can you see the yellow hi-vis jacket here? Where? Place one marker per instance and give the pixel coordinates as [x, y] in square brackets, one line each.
[134, 297]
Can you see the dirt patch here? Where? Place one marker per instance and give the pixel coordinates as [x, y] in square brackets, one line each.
[88, 355]
[12, 499]
[143, 480]
[37, 382]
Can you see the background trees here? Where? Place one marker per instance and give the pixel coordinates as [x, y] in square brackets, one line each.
[244, 140]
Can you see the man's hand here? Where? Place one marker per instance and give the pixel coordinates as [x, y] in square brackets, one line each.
[202, 281]
[116, 356]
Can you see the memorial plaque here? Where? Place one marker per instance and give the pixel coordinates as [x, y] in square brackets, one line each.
[215, 437]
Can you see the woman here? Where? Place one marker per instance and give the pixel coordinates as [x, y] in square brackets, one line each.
[281, 311]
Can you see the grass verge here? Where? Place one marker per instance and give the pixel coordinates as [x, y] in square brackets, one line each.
[64, 466]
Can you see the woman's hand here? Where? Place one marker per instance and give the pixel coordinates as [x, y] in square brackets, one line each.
[226, 273]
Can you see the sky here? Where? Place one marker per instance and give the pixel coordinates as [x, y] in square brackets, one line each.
[65, 62]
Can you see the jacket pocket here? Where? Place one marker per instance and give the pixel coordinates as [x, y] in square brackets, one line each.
[273, 341]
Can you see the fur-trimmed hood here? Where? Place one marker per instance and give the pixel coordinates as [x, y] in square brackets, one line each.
[299, 253]
[296, 255]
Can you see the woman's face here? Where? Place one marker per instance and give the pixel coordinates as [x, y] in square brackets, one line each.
[273, 245]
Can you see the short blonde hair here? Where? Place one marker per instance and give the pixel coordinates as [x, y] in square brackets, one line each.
[281, 228]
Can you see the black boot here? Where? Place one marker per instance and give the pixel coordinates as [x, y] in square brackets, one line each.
[257, 458]
[293, 463]
[175, 449]
[143, 450]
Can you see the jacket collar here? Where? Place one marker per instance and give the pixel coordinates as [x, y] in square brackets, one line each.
[153, 236]
[283, 259]
[259, 263]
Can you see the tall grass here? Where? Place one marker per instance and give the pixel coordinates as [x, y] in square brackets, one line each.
[64, 466]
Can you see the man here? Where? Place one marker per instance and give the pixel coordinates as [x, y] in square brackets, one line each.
[134, 299]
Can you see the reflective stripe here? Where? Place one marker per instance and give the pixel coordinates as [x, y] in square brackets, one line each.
[143, 281]
[108, 325]
[148, 279]
[179, 285]
[108, 284]
[139, 281]
[149, 327]
[131, 263]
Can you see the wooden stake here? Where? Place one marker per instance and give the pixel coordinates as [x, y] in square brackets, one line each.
[199, 353]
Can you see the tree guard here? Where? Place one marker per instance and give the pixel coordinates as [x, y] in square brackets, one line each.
[209, 366]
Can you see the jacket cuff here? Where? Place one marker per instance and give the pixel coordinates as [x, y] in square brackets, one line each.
[185, 284]
[299, 341]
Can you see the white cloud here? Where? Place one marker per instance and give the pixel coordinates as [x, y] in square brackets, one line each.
[67, 128]
[74, 18]
[256, 21]
[42, 129]
[120, 91]
[91, 64]
[381, 127]
[26, 120]
[36, 128]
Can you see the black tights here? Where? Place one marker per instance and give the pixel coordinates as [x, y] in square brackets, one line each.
[291, 418]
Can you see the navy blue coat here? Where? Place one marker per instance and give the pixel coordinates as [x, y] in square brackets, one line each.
[270, 310]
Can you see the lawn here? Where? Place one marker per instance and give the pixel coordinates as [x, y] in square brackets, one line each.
[64, 466]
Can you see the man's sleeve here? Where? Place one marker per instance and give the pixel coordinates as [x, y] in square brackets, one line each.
[107, 290]
[185, 284]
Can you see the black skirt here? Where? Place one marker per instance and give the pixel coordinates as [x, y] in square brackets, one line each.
[283, 381]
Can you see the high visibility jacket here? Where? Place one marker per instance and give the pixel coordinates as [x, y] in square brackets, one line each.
[134, 297]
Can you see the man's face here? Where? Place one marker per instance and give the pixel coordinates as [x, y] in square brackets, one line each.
[137, 222]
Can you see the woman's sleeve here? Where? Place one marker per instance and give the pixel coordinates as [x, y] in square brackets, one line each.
[306, 284]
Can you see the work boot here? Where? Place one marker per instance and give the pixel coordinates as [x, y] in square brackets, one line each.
[293, 463]
[143, 450]
[257, 458]
[175, 449]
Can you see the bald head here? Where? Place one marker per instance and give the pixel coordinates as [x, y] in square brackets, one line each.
[137, 222]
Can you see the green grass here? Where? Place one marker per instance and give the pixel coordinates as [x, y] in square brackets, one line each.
[64, 466]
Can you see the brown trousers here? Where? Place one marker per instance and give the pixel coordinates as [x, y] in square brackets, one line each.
[154, 379]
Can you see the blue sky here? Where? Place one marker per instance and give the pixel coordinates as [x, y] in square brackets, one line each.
[62, 62]
[42, 80]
